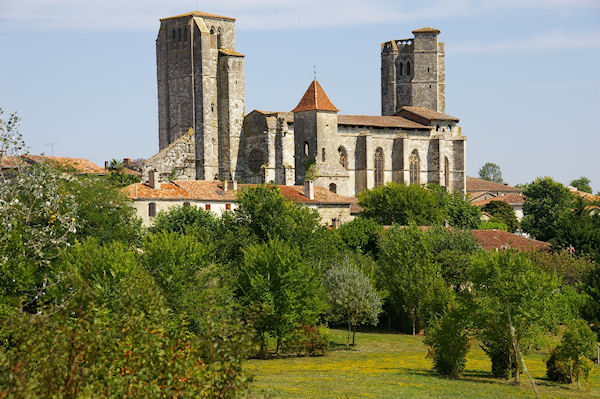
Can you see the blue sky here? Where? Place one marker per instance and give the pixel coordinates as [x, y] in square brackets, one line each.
[522, 75]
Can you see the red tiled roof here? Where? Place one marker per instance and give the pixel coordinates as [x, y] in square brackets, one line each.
[584, 195]
[511, 199]
[212, 190]
[380, 121]
[315, 99]
[426, 113]
[198, 14]
[81, 165]
[500, 239]
[426, 30]
[475, 184]
[10, 162]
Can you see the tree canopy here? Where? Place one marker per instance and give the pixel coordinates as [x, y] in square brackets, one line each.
[491, 171]
[582, 184]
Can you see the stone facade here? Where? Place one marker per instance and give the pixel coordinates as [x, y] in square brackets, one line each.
[201, 86]
[413, 72]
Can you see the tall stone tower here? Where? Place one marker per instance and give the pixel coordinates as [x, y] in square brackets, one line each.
[413, 72]
[316, 138]
[201, 86]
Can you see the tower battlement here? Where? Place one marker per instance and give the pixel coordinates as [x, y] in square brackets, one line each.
[413, 72]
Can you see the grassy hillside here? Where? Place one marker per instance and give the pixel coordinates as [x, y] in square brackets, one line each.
[395, 366]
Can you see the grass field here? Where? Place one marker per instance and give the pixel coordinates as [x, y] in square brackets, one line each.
[394, 366]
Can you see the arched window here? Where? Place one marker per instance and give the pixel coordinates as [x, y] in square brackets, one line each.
[255, 160]
[401, 69]
[174, 35]
[408, 67]
[378, 177]
[306, 148]
[185, 34]
[186, 204]
[343, 157]
[414, 168]
[323, 155]
[179, 35]
[333, 188]
[447, 173]
[437, 128]
[219, 38]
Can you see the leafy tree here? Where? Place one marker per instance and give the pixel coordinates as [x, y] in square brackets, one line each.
[282, 286]
[267, 214]
[103, 211]
[545, 200]
[491, 171]
[570, 361]
[406, 270]
[582, 184]
[352, 298]
[361, 235]
[401, 204]
[452, 250]
[37, 220]
[183, 218]
[572, 270]
[580, 229]
[139, 348]
[460, 212]
[448, 341]
[11, 140]
[503, 212]
[513, 303]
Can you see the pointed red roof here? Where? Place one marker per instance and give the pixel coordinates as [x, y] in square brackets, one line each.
[315, 99]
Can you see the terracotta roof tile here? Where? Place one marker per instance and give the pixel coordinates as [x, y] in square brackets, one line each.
[81, 165]
[315, 99]
[511, 199]
[425, 113]
[198, 14]
[475, 184]
[10, 162]
[500, 239]
[212, 190]
[380, 121]
[584, 195]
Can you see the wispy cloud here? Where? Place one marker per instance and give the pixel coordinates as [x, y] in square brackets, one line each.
[556, 39]
[264, 14]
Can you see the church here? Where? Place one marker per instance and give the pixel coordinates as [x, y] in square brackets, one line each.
[204, 133]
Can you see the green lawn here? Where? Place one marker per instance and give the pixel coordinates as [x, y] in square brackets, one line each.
[394, 366]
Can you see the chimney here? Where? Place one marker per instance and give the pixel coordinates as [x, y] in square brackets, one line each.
[231, 185]
[153, 179]
[126, 162]
[105, 165]
[309, 190]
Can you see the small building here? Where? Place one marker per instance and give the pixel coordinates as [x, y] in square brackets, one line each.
[218, 197]
[516, 201]
[500, 239]
[80, 166]
[481, 189]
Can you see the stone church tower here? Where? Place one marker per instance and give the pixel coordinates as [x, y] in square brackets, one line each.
[413, 72]
[201, 86]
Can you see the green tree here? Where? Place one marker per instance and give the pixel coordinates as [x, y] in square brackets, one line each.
[352, 298]
[183, 218]
[491, 171]
[286, 291]
[406, 270]
[545, 200]
[582, 184]
[447, 339]
[513, 304]
[401, 204]
[37, 220]
[11, 140]
[460, 213]
[503, 212]
[580, 229]
[361, 235]
[452, 250]
[570, 361]
[103, 211]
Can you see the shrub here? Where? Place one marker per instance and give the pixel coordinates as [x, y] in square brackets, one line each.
[182, 218]
[491, 225]
[308, 340]
[448, 343]
[569, 361]
[503, 212]
[361, 235]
